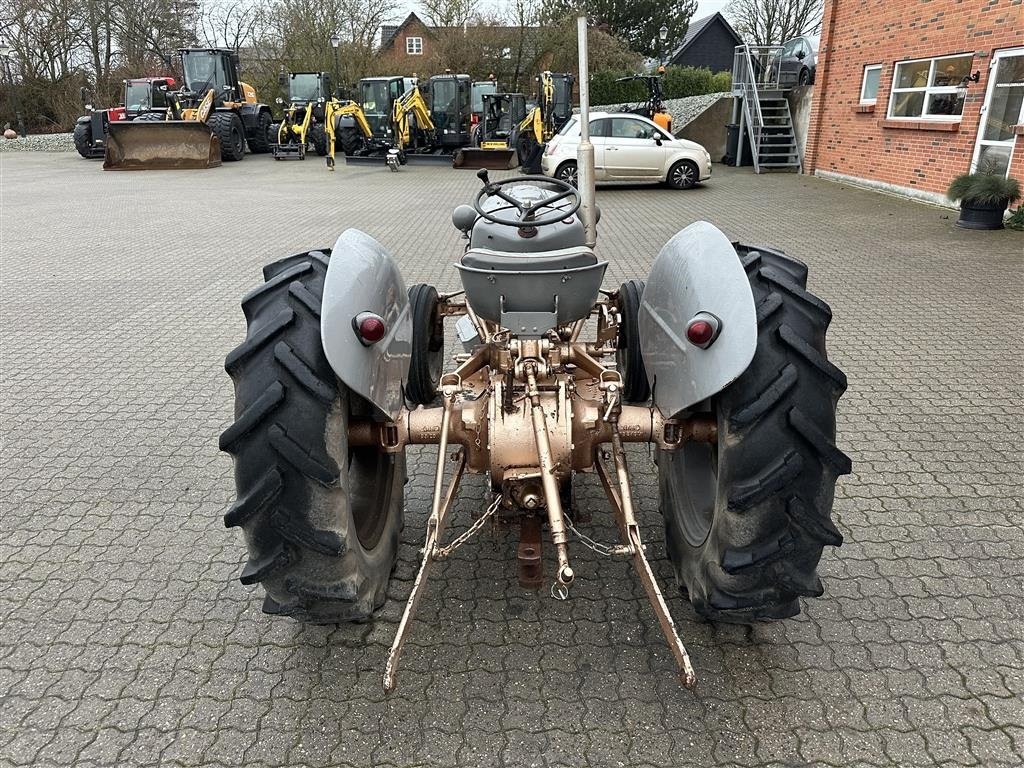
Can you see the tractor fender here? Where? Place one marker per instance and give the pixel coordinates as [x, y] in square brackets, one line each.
[362, 277]
[697, 271]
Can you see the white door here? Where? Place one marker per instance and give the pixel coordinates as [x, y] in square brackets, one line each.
[1004, 108]
[631, 151]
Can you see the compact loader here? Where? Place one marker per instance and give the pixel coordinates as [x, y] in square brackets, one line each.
[193, 130]
[717, 362]
[490, 141]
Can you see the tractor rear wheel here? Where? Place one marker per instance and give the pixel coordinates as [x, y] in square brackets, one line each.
[148, 117]
[227, 126]
[318, 138]
[261, 140]
[321, 518]
[83, 139]
[350, 139]
[747, 516]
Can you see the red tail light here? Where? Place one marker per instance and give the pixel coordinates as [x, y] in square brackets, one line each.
[552, 146]
[369, 327]
[703, 329]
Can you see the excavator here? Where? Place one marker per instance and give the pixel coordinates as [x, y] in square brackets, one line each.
[392, 121]
[304, 121]
[654, 107]
[490, 144]
[214, 117]
[553, 110]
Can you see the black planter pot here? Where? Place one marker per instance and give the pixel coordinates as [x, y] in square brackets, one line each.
[981, 215]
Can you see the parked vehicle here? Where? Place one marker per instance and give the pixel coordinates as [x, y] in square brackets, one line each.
[797, 62]
[628, 147]
[142, 96]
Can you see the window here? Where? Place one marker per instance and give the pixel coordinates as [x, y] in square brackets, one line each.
[869, 86]
[927, 89]
[414, 46]
[629, 128]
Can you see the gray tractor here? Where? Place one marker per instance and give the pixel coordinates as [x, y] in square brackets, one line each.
[717, 360]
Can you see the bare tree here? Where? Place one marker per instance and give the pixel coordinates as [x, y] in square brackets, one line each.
[231, 23]
[448, 13]
[772, 22]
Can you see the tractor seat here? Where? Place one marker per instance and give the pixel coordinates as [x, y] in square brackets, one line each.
[508, 261]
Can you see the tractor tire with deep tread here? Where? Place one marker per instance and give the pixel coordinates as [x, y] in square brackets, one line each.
[149, 117]
[628, 359]
[262, 138]
[747, 517]
[227, 126]
[427, 357]
[350, 139]
[83, 139]
[321, 520]
[318, 138]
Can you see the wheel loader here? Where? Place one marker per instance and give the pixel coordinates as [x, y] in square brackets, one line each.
[191, 137]
[142, 96]
[303, 123]
[716, 361]
[553, 110]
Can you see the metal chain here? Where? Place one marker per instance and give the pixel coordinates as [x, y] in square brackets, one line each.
[442, 552]
[608, 550]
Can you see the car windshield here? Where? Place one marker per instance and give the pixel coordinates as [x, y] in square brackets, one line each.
[479, 89]
[204, 71]
[305, 87]
[138, 97]
[375, 99]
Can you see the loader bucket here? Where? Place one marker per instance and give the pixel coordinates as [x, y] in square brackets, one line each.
[172, 144]
[491, 159]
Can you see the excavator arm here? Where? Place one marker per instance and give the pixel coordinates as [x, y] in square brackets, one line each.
[410, 104]
[335, 109]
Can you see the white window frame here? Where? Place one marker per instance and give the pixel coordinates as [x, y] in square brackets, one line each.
[414, 46]
[927, 90]
[864, 82]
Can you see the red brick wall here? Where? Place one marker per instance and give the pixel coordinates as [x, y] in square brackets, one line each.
[402, 62]
[863, 144]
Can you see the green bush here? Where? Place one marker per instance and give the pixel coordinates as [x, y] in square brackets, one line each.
[678, 83]
[1016, 220]
[983, 188]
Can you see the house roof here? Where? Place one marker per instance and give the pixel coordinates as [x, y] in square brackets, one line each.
[697, 27]
[388, 32]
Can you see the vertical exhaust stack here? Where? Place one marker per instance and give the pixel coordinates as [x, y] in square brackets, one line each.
[585, 153]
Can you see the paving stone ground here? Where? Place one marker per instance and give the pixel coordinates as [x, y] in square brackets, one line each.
[125, 639]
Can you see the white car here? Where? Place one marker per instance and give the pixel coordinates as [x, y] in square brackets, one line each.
[627, 147]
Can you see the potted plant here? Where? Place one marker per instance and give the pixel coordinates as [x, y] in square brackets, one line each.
[983, 197]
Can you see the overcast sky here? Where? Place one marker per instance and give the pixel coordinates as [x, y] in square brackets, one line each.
[704, 7]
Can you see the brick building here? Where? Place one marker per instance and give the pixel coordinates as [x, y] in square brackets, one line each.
[896, 105]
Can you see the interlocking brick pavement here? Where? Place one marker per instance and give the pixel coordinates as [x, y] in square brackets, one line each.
[125, 639]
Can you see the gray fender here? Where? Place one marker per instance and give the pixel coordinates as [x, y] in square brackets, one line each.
[696, 271]
[362, 277]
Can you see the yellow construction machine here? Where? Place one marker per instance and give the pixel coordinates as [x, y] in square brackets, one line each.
[304, 120]
[553, 110]
[392, 119]
[490, 145]
[212, 118]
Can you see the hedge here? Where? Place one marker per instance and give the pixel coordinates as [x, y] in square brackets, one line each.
[678, 83]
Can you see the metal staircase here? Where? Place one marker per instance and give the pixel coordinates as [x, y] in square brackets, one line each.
[763, 110]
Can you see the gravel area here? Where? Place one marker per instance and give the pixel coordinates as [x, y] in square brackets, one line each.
[44, 142]
[683, 111]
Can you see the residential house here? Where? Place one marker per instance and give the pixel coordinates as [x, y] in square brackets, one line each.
[710, 42]
[911, 93]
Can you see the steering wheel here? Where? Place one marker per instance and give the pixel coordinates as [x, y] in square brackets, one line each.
[493, 189]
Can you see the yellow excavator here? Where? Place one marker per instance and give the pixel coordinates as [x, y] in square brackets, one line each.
[392, 119]
[304, 121]
[193, 135]
[553, 110]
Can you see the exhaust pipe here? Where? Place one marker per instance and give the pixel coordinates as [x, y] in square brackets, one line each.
[585, 153]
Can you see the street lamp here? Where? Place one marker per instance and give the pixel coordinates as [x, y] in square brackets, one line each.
[5, 54]
[335, 42]
[663, 36]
